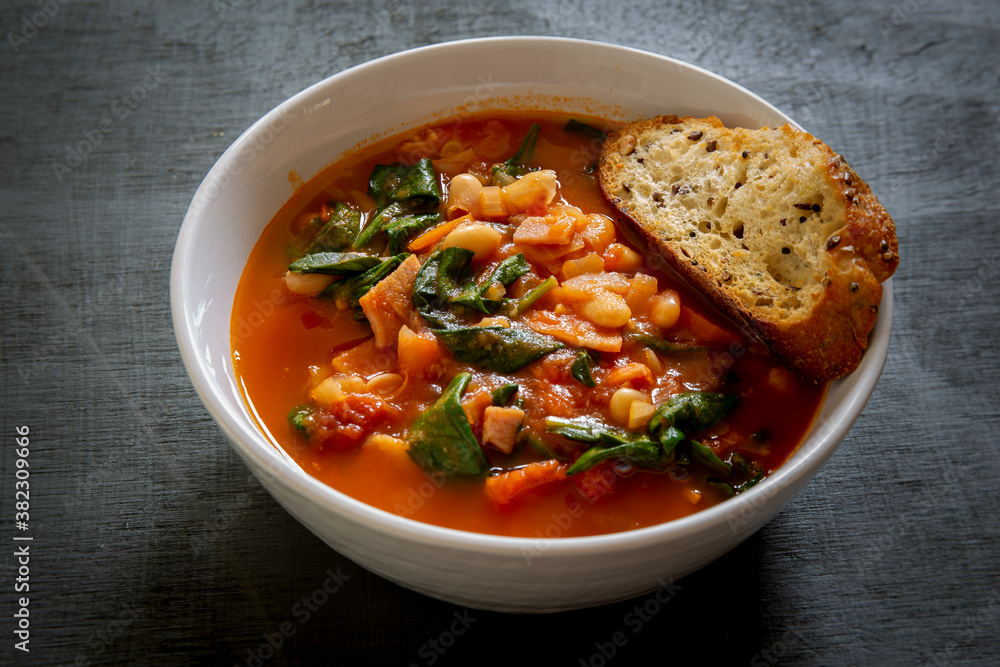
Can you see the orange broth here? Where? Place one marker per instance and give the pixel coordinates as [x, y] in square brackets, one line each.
[284, 344]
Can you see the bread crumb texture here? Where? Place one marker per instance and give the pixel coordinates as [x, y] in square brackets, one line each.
[770, 224]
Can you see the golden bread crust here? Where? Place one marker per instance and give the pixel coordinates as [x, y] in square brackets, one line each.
[771, 226]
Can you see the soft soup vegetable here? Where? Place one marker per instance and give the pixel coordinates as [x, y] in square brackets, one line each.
[449, 325]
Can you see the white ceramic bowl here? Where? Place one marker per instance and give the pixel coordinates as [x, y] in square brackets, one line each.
[250, 182]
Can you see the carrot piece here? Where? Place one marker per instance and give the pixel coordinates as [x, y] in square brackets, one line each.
[503, 487]
[475, 405]
[435, 234]
[704, 329]
[417, 353]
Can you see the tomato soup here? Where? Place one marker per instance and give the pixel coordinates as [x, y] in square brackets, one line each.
[451, 325]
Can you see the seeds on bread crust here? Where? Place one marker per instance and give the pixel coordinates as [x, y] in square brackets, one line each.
[809, 291]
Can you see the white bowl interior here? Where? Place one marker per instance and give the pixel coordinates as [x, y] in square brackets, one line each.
[250, 182]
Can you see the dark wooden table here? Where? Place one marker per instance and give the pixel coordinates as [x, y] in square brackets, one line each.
[152, 544]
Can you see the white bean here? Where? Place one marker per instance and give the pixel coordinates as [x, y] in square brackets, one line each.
[665, 309]
[307, 284]
[606, 309]
[383, 383]
[537, 188]
[619, 257]
[482, 240]
[621, 403]
[463, 195]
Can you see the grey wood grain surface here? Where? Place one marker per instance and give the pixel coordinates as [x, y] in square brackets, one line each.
[154, 545]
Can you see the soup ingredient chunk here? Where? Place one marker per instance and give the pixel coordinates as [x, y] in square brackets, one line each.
[441, 439]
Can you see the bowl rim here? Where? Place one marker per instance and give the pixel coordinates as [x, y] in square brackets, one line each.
[250, 443]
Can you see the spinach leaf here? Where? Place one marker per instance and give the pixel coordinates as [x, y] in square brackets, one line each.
[641, 453]
[379, 220]
[470, 295]
[453, 280]
[587, 430]
[352, 289]
[339, 231]
[663, 345]
[501, 395]
[689, 412]
[334, 263]
[669, 438]
[508, 271]
[578, 127]
[405, 199]
[398, 230]
[733, 488]
[693, 411]
[636, 449]
[705, 454]
[500, 349]
[514, 167]
[441, 440]
[400, 182]
[453, 272]
[749, 471]
[445, 280]
[581, 369]
[425, 295]
[442, 283]
[473, 294]
[543, 448]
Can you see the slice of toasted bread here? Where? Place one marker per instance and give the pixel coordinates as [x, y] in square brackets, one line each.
[771, 225]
